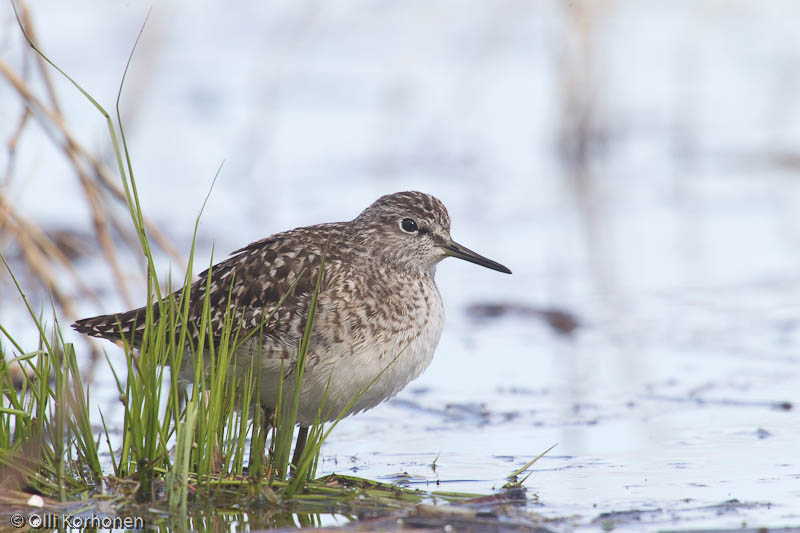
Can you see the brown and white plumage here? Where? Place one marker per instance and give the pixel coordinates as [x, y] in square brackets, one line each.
[378, 299]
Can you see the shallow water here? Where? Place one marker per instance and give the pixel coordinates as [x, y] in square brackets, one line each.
[670, 428]
[665, 221]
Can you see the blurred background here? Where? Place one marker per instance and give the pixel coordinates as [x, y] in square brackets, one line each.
[635, 163]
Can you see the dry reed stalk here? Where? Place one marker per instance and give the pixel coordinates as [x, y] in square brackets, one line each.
[102, 190]
[99, 186]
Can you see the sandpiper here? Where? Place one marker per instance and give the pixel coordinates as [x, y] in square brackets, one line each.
[378, 299]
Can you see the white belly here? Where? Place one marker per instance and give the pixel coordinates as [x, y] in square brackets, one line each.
[363, 369]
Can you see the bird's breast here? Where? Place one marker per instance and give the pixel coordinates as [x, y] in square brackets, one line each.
[376, 345]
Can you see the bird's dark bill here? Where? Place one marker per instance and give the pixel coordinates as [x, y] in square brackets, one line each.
[456, 250]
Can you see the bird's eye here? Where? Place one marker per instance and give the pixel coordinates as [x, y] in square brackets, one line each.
[408, 225]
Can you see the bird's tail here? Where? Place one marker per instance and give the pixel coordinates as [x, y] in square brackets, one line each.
[128, 325]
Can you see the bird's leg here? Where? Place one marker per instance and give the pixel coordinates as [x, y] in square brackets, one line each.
[302, 435]
[216, 454]
[266, 425]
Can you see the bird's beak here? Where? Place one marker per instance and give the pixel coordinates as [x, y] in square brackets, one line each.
[454, 249]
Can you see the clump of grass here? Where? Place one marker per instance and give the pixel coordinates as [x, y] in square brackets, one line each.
[46, 437]
[209, 431]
